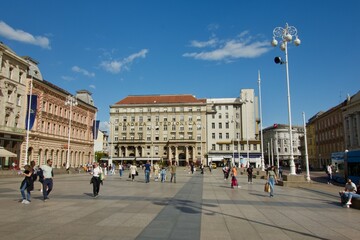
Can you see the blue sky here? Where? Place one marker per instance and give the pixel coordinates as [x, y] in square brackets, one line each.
[211, 49]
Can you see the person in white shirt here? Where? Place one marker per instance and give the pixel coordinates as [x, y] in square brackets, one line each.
[95, 180]
[48, 179]
[329, 173]
[133, 170]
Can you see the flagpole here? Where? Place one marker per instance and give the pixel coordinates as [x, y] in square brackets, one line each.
[28, 120]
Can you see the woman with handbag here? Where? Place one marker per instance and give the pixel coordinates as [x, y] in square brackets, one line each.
[133, 171]
[271, 179]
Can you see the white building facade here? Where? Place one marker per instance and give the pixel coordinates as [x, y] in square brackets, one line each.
[277, 144]
[232, 130]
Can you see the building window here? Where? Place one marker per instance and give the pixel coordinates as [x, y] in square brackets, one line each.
[10, 72]
[220, 125]
[20, 77]
[213, 125]
[227, 147]
[227, 136]
[220, 147]
[220, 116]
[213, 147]
[227, 125]
[220, 135]
[141, 119]
[213, 135]
[18, 100]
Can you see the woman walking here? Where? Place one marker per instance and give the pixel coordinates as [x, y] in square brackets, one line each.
[133, 170]
[27, 184]
[272, 179]
[95, 180]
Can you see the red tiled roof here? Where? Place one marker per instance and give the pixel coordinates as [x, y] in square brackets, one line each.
[160, 99]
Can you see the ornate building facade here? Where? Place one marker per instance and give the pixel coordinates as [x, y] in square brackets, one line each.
[49, 136]
[13, 72]
[277, 144]
[351, 115]
[158, 128]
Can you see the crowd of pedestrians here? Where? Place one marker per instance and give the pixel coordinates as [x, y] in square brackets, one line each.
[44, 174]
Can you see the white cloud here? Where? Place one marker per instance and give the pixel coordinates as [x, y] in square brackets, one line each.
[198, 44]
[67, 78]
[232, 49]
[82, 71]
[116, 66]
[21, 36]
[92, 86]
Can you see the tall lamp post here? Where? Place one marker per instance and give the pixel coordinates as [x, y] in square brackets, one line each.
[261, 128]
[71, 101]
[286, 35]
[306, 151]
[111, 135]
[234, 124]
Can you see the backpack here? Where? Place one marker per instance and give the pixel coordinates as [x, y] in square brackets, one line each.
[40, 173]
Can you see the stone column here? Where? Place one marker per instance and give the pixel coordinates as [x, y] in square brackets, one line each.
[351, 128]
[176, 154]
[187, 154]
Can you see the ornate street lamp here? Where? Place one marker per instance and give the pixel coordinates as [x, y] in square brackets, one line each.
[261, 127]
[286, 35]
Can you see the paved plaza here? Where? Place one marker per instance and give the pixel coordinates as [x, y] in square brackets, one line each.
[195, 207]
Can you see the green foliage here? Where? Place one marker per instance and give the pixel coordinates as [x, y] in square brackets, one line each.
[99, 155]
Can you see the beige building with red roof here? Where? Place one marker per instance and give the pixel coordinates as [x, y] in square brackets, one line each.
[158, 128]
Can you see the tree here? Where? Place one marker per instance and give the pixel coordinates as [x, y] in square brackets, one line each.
[99, 155]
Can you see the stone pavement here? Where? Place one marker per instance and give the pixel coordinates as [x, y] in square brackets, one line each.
[195, 207]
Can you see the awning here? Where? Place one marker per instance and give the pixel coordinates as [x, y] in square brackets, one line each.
[6, 153]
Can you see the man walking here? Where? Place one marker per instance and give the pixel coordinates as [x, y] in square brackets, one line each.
[147, 171]
[48, 179]
[173, 172]
[250, 174]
